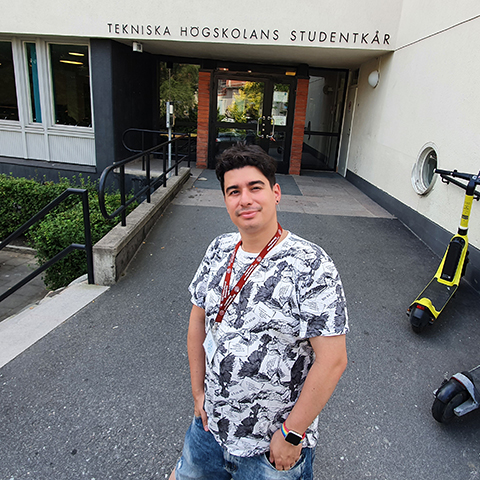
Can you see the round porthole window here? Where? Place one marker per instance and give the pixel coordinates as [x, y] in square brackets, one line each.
[423, 173]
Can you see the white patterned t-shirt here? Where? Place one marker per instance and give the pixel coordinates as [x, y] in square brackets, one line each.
[263, 354]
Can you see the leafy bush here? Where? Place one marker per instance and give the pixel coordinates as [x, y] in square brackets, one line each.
[58, 230]
[61, 227]
[22, 198]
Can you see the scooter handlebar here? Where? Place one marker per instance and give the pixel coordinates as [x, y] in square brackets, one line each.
[455, 173]
[472, 179]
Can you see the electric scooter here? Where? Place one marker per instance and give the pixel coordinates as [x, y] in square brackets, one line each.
[432, 300]
[457, 396]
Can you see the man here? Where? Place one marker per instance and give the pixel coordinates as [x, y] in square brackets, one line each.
[266, 339]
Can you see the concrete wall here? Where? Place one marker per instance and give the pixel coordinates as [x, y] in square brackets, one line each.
[428, 93]
[421, 19]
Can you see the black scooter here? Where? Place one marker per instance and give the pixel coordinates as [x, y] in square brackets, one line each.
[434, 297]
[457, 396]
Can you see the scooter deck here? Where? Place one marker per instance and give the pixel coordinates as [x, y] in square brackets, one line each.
[438, 293]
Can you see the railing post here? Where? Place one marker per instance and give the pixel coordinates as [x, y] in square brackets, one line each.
[176, 158]
[88, 237]
[143, 149]
[122, 195]
[164, 166]
[147, 176]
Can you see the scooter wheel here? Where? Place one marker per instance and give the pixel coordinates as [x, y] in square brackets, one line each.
[418, 329]
[419, 319]
[449, 396]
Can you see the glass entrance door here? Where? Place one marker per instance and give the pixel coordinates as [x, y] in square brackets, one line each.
[254, 110]
[323, 120]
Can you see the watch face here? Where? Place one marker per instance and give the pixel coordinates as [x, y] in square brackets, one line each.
[293, 438]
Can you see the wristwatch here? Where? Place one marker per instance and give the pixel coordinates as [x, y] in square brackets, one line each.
[290, 436]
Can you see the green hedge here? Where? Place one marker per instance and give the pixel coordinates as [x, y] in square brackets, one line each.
[22, 198]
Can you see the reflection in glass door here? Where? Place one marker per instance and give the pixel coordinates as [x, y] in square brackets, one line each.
[277, 137]
[255, 111]
[239, 108]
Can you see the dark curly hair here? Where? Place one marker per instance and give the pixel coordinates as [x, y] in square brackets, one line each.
[242, 155]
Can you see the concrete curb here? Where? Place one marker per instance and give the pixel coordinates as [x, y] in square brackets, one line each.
[113, 253]
[20, 249]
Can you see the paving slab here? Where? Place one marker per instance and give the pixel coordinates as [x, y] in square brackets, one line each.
[16, 264]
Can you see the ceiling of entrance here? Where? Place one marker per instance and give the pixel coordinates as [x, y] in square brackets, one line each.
[263, 54]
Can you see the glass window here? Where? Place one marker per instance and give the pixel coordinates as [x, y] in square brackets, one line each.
[280, 104]
[36, 112]
[423, 172]
[71, 85]
[8, 92]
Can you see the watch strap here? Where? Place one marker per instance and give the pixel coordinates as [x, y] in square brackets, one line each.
[290, 436]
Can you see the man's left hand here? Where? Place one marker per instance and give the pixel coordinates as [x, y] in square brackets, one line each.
[283, 455]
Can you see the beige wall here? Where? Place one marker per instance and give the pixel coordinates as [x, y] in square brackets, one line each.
[420, 19]
[107, 18]
[428, 92]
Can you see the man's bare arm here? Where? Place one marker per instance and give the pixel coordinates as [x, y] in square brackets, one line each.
[196, 359]
[330, 363]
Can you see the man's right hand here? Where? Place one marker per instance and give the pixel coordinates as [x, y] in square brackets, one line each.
[199, 410]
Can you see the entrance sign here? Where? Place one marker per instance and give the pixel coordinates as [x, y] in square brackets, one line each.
[244, 35]
[334, 23]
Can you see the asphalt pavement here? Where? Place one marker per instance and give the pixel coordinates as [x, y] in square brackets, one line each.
[106, 393]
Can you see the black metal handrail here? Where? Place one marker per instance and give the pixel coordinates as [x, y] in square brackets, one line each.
[143, 132]
[74, 246]
[151, 184]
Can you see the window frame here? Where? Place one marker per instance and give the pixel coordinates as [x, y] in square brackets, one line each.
[419, 183]
[45, 81]
[13, 123]
[58, 126]
[28, 98]
[45, 141]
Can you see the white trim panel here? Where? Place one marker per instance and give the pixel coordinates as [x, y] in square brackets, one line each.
[76, 150]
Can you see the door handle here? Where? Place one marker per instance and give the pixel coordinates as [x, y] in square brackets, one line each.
[263, 127]
[272, 132]
[272, 135]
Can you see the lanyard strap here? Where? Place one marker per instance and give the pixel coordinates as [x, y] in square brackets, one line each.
[229, 296]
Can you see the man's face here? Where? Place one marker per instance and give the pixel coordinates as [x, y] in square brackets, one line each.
[250, 201]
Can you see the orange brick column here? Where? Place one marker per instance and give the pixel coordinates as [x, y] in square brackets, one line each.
[299, 126]
[203, 118]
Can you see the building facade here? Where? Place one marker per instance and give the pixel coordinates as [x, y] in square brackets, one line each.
[380, 92]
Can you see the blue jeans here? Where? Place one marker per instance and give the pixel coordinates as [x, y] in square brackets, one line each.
[204, 459]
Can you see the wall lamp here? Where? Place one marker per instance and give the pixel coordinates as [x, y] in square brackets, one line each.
[374, 78]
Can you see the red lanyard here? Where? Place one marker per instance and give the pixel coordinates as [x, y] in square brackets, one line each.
[229, 296]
